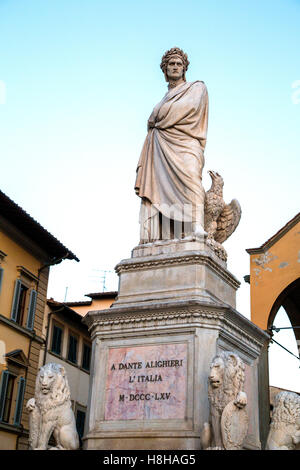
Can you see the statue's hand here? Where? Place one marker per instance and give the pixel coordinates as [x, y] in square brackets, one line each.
[241, 400]
[30, 404]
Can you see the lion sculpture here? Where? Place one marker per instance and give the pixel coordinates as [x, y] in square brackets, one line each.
[284, 431]
[50, 411]
[226, 398]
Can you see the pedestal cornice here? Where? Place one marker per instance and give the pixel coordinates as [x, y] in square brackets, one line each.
[179, 315]
[181, 258]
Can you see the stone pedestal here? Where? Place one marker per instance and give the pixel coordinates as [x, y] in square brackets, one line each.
[153, 348]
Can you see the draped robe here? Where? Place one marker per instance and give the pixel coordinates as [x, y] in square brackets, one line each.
[169, 172]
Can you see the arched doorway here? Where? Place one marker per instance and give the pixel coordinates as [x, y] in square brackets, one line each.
[289, 299]
[284, 372]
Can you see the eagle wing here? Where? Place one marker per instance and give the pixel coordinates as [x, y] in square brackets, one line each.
[228, 221]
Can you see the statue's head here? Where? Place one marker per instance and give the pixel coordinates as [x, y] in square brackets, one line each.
[227, 370]
[174, 64]
[216, 372]
[51, 377]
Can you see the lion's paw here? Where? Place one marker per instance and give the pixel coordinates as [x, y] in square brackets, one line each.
[30, 405]
[241, 400]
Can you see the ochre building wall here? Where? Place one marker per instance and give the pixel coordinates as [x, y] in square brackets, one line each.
[271, 272]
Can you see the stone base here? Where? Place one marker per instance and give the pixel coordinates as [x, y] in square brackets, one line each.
[153, 348]
[167, 270]
[142, 443]
[190, 334]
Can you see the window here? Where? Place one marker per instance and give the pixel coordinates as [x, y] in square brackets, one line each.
[6, 395]
[31, 309]
[72, 351]
[19, 402]
[57, 334]
[12, 388]
[86, 357]
[19, 304]
[2, 256]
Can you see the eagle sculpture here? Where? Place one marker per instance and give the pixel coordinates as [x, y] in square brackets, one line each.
[220, 219]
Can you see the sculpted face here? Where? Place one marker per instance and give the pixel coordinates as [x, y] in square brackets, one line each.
[47, 379]
[175, 68]
[216, 373]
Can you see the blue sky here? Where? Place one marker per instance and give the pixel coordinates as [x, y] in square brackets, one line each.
[81, 79]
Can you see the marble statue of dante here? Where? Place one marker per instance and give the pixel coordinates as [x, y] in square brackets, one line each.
[169, 172]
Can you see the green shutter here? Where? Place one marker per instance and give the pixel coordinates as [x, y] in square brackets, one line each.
[1, 277]
[16, 299]
[19, 402]
[3, 388]
[31, 309]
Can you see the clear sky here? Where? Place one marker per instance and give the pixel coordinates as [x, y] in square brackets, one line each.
[78, 81]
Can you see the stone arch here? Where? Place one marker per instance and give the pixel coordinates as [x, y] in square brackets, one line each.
[289, 299]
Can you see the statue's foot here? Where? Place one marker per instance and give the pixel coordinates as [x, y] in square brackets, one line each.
[198, 231]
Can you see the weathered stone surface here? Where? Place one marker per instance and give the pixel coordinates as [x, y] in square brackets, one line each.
[176, 298]
[228, 418]
[146, 382]
[169, 171]
[285, 425]
[182, 270]
[50, 411]
[234, 426]
[205, 329]
[220, 219]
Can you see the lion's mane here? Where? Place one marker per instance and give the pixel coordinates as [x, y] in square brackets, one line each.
[60, 392]
[232, 380]
[286, 409]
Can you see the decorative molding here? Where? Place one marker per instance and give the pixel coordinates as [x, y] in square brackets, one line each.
[188, 258]
[24, 272]
[124, 320]
[17, 358]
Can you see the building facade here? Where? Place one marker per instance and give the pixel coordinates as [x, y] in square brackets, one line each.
[27, 251]
[67, 342]
[275, 277]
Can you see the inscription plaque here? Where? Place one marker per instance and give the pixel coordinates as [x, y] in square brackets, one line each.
[146, 382]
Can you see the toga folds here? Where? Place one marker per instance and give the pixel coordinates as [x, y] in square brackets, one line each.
[169, 172]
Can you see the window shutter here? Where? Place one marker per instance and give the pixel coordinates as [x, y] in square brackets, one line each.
[19, 401]
[31, 309]
[16, 299]
[3, 388]
[1, 277]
